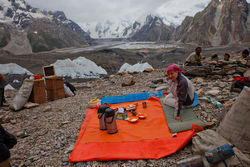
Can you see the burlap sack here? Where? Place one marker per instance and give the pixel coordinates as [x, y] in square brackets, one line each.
[208, 140]
[23, 95]
[235, 127]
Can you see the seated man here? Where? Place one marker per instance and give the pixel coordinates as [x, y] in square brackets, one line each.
[194, 59]
[245, 55]
[2, 85]
[7, 141]
[226, 57]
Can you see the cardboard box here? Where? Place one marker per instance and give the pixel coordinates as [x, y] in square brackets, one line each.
[38, 94]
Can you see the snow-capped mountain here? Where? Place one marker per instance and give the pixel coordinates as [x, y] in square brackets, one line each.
[26, 29]
[121, 29]
[154, 29]
[109, 29]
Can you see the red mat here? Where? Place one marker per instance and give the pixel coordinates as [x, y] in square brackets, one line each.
[149, 138]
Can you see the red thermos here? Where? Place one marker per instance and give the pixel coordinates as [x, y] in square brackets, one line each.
[101, 113]
[110, 121]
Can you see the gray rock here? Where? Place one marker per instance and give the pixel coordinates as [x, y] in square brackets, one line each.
[205, 99]
[215, 77]
[241, 69]
[82, 164]
[213, 92]
[204, 114]
[200, 92]
[69, 149]
[161, 88]
[153, 86]
[214, 120]
[230, 72]
[157, 81]
[47, 108]
[22, 134]
[247, 73]
[236, 75]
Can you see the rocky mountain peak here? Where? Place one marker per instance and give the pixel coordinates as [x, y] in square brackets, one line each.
[153, 29]
[45, 30]
[220, 23]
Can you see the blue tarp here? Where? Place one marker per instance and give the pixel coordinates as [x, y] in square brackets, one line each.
[130, 97]
[137, 97]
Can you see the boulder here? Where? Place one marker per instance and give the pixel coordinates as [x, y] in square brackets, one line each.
[161, 88]
[148, 70]
[157, 81]
[128, 80]
[121, 73]
[213, 92]
[200, 92]
[202, 71]
[132, 72]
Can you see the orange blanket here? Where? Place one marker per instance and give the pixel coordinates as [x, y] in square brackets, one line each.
[149, 138]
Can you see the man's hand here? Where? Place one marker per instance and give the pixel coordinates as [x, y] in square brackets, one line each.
[177, 118]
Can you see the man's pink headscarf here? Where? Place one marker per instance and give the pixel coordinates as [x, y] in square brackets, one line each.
[174, 68]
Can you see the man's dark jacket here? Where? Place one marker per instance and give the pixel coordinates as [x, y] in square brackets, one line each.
[7, 141]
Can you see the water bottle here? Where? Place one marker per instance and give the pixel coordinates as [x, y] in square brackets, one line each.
[219, 154]
[195, 161]
[110, 121]
[213, 101]
[101, 112]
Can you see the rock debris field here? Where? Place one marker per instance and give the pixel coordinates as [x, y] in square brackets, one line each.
[46, 134]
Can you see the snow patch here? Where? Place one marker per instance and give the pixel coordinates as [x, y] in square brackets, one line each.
[78, 68]
[137, 67]
[21, 4]
[13, 68]
[9, 87]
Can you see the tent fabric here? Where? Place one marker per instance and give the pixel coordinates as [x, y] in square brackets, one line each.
[131, 97]
[149, 138]
[188, 118]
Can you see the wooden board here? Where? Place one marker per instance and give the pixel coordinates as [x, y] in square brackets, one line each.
[48, 71]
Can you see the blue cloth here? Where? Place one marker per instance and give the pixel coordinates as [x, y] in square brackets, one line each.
[196, 100]
[130, 97]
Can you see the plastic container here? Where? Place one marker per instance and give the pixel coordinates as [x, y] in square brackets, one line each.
[215, 102]
[94, 102]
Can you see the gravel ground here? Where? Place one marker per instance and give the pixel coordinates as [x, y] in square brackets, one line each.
[46, 134]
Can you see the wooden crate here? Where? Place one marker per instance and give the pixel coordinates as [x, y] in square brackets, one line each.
[54, 82]
[54, 94]
[55, 87]
[38, 94]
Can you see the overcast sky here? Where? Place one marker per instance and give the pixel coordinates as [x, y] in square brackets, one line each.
[89, 11]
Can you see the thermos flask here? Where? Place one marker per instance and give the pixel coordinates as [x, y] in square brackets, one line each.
[110, 121]
[101, 113]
